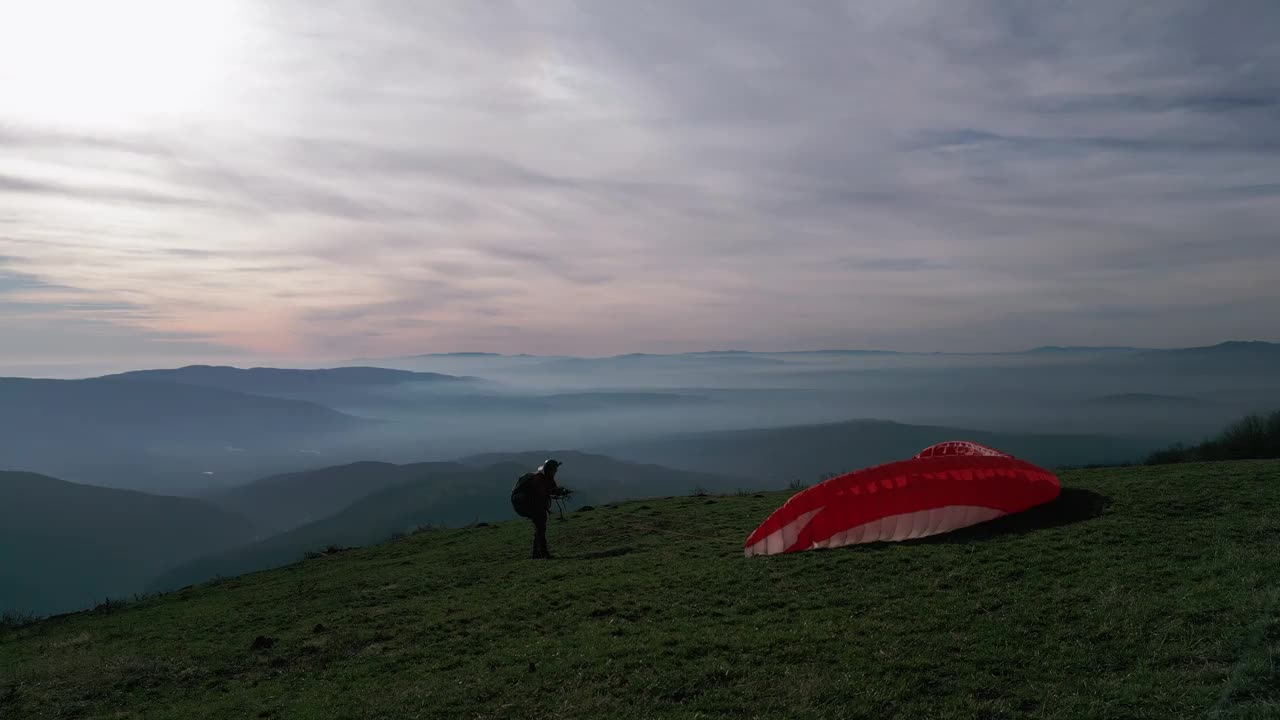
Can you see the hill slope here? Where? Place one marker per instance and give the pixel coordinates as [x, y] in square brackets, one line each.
[440, 494]
[283, 502]
[66, 546]
[1161, 603]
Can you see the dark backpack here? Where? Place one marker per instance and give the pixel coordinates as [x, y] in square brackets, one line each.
[524, 483]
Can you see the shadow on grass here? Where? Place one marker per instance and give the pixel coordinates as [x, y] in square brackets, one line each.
[1072, 505]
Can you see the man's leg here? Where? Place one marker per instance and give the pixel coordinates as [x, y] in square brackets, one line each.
[540, 536]
[524, 507]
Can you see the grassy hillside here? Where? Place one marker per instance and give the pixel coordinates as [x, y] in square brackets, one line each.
[437, 494]
[1142, 593]
[806, 452]
[67, 546]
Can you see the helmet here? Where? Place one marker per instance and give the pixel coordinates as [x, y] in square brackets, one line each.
[549, 466]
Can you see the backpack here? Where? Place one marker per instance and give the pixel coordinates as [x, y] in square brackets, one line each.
[524, 483]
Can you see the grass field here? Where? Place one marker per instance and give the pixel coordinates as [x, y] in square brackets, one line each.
[1142, 593]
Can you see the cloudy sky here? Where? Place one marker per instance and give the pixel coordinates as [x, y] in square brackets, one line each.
[292, 179]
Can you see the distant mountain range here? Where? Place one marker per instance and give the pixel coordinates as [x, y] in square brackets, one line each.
[123, 430]
[180, 429]
[1251, 355]
[1227, 346]
[76, 414]
[334, 385]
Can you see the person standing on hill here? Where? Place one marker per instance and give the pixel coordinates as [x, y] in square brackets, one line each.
[531, 498]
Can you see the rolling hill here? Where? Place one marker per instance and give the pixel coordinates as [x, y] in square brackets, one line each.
[804, 452]
[393, 393]
[1145, 593]
[283, 502]
[66, 546]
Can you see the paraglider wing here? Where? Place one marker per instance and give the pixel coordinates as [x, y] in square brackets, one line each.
[904, 500]
[960, 447]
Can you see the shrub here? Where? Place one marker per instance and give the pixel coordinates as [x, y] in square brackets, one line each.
[1252, 437]
[109, 605]
[15, 618]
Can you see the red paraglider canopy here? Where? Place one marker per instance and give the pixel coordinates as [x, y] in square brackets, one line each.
[959, 447]
[944, 487]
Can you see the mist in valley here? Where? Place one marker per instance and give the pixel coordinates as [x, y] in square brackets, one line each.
[1147, 396]
[144, 435]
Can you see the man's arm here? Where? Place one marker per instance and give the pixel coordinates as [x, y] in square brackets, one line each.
[556, 489]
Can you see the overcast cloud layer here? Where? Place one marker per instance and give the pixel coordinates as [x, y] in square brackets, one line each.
[375, 178]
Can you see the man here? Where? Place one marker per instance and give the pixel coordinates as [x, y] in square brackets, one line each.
[531, 498]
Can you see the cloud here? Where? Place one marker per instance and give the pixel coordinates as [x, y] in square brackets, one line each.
[11, 281]
[47, 324]
[391, 177]
[907, 264]
[17, 186]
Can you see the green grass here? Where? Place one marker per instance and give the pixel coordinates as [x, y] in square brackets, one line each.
[1162, 603]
